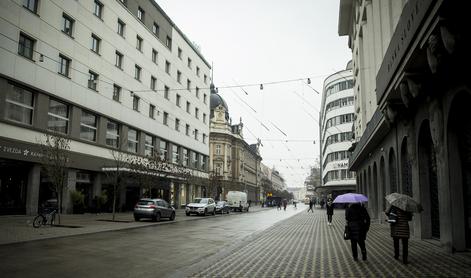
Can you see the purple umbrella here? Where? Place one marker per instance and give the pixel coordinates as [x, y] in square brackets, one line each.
[351, 198]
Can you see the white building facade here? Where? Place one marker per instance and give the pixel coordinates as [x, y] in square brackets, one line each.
[337, 115]
[108, 75]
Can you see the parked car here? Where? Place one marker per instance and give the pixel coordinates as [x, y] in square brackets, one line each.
[154, 209]
[222, 207]
[238, 201]
[201, 206]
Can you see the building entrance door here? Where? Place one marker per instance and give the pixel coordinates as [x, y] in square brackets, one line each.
[13, 182]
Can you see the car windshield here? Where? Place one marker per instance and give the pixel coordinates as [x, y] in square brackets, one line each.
[145, 202]
[201, 201]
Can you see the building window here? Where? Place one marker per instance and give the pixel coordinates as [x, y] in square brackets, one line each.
[133, 141]
[205, 79]
[177, 124]
[166, 92]
[152, 111]
[197, 92]
[124, 2]
[92, 80]
[112, 134]
[135, 103]
[116, 92]
[119, 60]
[204, 162]
[163, 148]
[88, 124]
[175, 154]
[179, 53]
[140, 14]
[20, 105]
[26, 46]
[218, 149]
[153, 82]
[204, 138]
[155, 56]
[188, 107]
[31, 5]
[98, 9]
[194, 160]
[204, 117]
[67, 24]
[187, 130]
[95, 44]
[168, 43]
[165, 119]
[204, 98]
[186, 158]
[64, 65]
[197, 71]
[188, 84]
[178, 99]
[167, 67]
[196, 134]
[121, 26]
[179, 77]
[189, 63]
[156, 29]
[197, 113]
[149, 145]
[139, 43]
[137, 72]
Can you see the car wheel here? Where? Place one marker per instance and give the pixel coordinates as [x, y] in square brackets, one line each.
[228, 211]
[205, 212]
[136, 218]
[156, 217]
[187, 214]
[172, 217]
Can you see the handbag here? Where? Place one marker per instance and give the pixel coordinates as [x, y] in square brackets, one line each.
[346, 233]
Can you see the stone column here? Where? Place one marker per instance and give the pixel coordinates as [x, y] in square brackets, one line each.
[437, 131]
[69, 187]
[32, 189]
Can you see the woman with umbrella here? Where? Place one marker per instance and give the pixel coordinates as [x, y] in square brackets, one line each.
[399, 214]
[358, 221]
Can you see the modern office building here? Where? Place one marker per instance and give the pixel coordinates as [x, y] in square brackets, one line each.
[234, 165]
[111, 76]
[412, 94]
[336, 121]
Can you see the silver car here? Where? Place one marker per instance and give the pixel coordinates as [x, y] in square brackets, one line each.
[201, 206]
[154, 209]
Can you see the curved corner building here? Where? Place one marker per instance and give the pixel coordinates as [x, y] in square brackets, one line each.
[336, 121]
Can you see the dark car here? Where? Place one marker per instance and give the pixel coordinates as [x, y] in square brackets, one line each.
[222, 207]
[154, 209]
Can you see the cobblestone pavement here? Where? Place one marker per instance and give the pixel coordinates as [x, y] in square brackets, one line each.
[19, 228]
[305, 246]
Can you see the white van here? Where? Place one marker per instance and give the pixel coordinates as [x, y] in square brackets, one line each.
[237, 201]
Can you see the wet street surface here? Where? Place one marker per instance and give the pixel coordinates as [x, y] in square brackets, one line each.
[156, 251]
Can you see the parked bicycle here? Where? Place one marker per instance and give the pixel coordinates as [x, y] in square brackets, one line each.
[45, 217]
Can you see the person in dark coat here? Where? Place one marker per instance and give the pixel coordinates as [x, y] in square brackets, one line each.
[311, 203]
[399, 221]
[330, 211]
[358, 221]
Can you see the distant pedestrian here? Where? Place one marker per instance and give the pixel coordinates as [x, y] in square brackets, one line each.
[278, 205]
[330, 211]
[311, 203]
[322, 203]
[250, 203]
[285, 203]
[358, 222]
[399, 221]
[294, 204]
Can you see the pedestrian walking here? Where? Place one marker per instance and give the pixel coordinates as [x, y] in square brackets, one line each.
[311, 203]
[294, 204]
[399, 222]
[285, 203]
[278, 205]
[358, 223]
[330, 211]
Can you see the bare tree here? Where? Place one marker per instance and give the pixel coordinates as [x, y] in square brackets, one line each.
[54, 159]
[116, 172]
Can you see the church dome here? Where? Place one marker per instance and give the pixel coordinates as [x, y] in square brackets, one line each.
[216, 99]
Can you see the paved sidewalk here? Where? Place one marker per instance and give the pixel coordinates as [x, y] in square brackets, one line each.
[305, 246]
[19, 228]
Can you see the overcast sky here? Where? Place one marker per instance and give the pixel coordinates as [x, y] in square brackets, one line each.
[262, 41]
